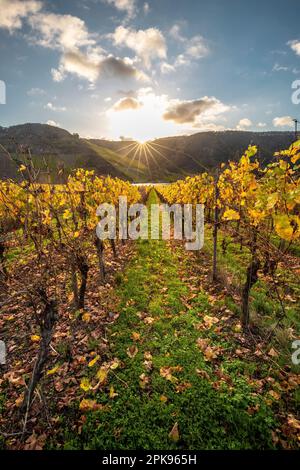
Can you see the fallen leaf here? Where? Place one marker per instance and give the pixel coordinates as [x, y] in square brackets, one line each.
[93, 361]
[114, 364]
[52, 371]
[274, 394]
[19, 400]
[132, 351]
[174, 433]
[166, 373]
[182, 387]
[293, 422]
[102, 375]
[202, 343]
[90, 405]
[35, 442]
[35, 338]
[203, 374]
[135, 336]
[273, 353]
[85, 384]
[211, 353]
[163, 398]
[144, 381]
[148, 365]
[112, 393]
[210, 321]
[86, 317]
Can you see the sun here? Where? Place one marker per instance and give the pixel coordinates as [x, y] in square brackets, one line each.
[144, 123]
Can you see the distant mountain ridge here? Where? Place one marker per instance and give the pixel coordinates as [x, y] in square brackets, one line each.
[164, 159]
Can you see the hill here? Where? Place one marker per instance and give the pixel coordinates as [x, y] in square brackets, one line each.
[165, 159]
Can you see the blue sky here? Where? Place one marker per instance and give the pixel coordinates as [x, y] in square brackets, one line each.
[111, 68]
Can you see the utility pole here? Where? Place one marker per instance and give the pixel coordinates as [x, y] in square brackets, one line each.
[216, 226]
[296, 128]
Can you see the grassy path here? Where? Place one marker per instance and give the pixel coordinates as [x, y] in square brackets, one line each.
[176, 386]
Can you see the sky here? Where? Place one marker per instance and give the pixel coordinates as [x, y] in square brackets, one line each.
[133, 69]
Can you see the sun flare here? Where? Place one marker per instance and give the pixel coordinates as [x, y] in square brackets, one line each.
[143, 123]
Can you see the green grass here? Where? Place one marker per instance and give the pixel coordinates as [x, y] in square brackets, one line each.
[137, 418]
[265, 305]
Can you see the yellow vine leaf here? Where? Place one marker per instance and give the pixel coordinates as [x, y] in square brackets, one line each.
[230, 214]
[283, 227]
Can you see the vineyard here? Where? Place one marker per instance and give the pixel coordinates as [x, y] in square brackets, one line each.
[123, 344]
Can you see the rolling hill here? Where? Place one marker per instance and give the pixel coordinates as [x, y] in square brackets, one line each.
[165, 159]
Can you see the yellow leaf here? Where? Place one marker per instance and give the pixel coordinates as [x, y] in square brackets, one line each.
[274, 395]
[272, 200]
[19, 400]
[112, 393]
[211, 353]
[93, 361]
[167, 372]
[52, 371]
[102, 375]
[90, 405]
[210, 321]
[22, 168]
[295, 158]
[35, 338]
[230, 214]
[135, 336]
[114, 364]
[163, 398]
[86, 317]
[283, 227]
[85, 384]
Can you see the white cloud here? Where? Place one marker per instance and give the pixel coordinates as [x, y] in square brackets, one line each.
[148, 44]
[261, 124]
[91, 67]
[181, 61]
[108, 99]
[188, 112]
[53, 123]
[279, 68]
[36, 92]
[175, 33]
[283, 121]
[166, 68]
[127, 103]
[194, 48]
[146, 8]
[64, 32]
[244, 123]
[197, 48]
[128, 6]
[14, 11]
[167, 116]
[295, 46]
[52, 107]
